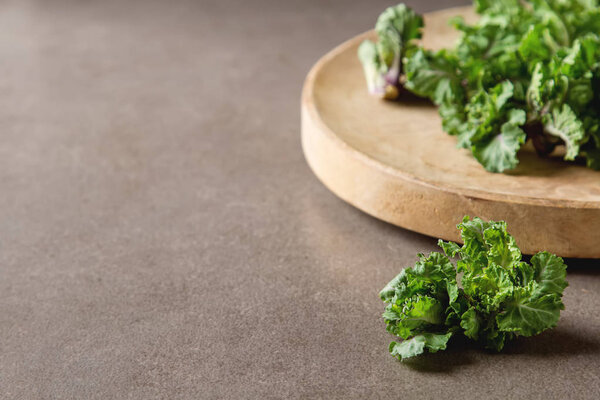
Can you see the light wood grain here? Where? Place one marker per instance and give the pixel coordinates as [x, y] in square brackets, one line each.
[393, 161]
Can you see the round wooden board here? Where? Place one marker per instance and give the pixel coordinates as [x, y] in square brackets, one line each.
[393, 161]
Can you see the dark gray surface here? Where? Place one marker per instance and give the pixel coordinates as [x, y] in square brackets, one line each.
[162, 237]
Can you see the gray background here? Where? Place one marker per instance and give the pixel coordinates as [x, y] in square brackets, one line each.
[161, 235]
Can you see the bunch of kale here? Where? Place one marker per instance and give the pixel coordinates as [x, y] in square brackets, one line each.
[490, 296]
[528, 69]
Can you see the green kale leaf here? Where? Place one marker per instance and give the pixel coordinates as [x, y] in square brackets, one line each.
[397, 28]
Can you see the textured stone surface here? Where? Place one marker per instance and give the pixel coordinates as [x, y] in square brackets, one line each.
[162, 237]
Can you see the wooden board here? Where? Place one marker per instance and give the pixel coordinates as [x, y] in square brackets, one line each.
[393, 161]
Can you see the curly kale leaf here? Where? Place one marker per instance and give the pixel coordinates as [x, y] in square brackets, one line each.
[433, 75]
[417, 345]
[564, 124]
[397, 28]
[527, 314]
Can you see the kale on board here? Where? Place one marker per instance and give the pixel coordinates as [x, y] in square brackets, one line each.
[490, 295]
[527, 70]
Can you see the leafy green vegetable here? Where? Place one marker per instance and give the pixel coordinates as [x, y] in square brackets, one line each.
[397, 28]
[432, 75]
[490, 296]
[527, 70]
[564, 124]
